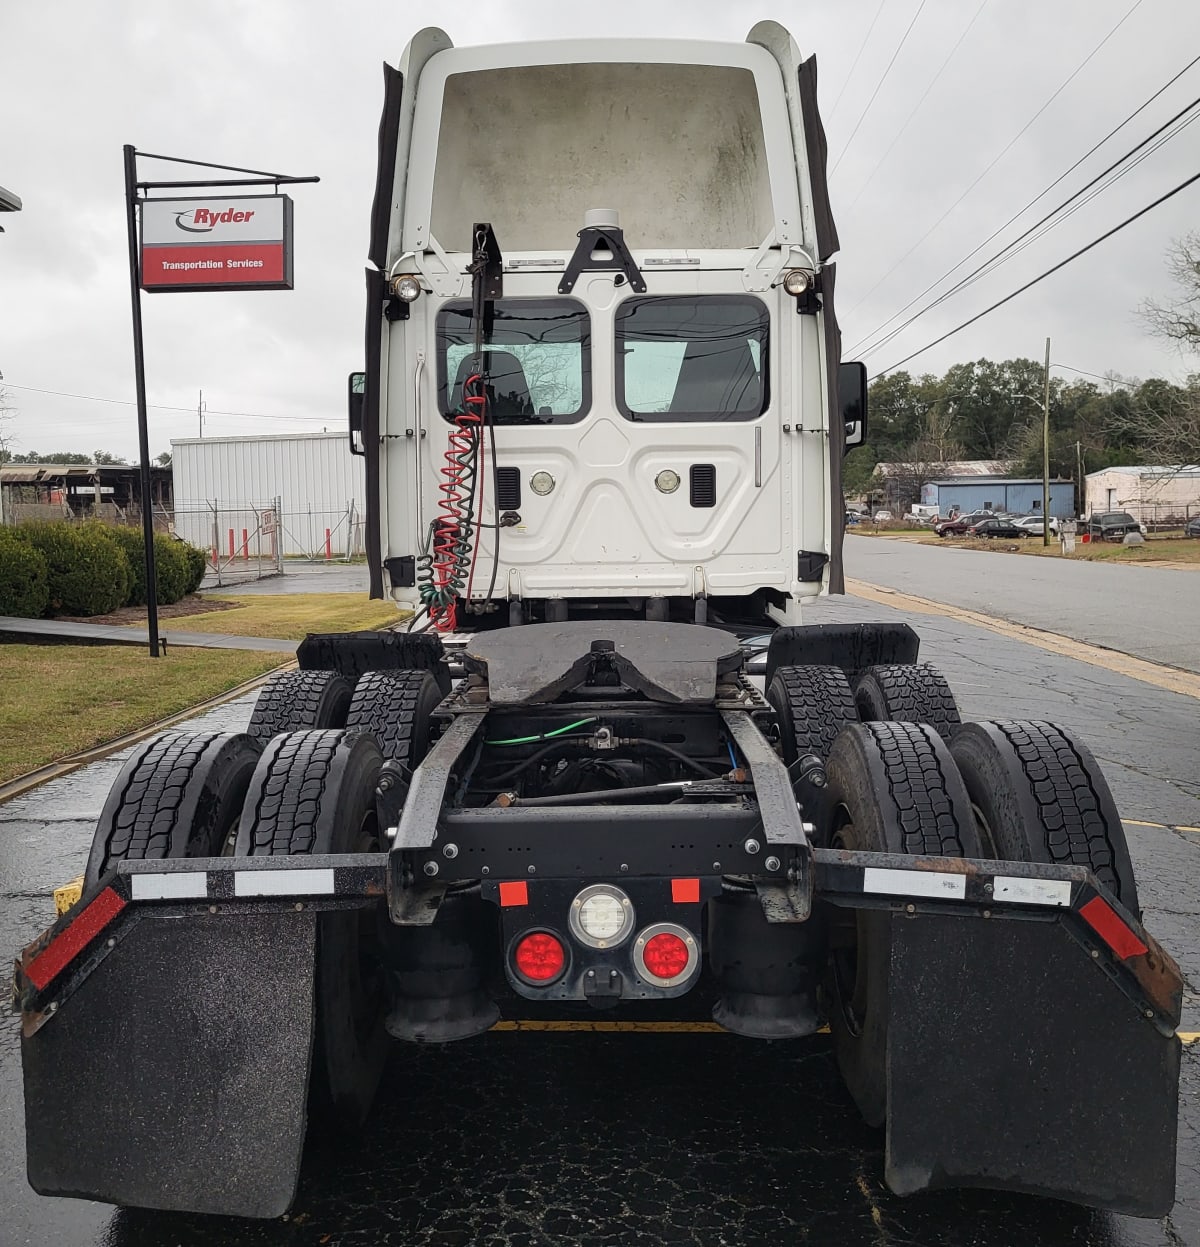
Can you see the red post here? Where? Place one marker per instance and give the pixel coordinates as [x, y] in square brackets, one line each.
[245, 546]
[232, 547]
[328, 546]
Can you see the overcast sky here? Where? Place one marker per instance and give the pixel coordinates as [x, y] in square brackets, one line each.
[295, 86]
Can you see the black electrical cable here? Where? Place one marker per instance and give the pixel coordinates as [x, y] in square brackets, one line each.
[917, 107]
[858, 57]
[1012, 248]
[1041, 195]
[691, 763]
[878, 87]
[1041, 277]
[995, 160]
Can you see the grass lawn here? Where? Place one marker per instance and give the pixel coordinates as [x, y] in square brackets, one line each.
[59, 699]
[289, 615]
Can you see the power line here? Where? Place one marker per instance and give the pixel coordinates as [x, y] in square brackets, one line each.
[995, 160]
[125, 402]
[879, 85]
[1040, 228]
[917, 108]
[1041, 195]
[1061, 264]
[857, 58]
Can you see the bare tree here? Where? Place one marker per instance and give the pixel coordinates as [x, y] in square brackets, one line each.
[1180, 321]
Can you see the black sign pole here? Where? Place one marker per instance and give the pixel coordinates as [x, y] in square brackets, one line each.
[139, 365]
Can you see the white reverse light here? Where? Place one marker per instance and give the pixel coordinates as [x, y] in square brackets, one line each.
[541, 483]
[601, 916]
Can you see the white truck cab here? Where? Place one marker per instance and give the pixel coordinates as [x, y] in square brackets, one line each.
[602, 360]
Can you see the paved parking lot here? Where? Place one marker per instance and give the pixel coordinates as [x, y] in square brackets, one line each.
[598, 1139]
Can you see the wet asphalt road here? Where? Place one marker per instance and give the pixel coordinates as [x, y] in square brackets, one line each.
[659, 1139]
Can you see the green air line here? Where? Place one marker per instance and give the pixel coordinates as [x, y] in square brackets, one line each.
[529, 740]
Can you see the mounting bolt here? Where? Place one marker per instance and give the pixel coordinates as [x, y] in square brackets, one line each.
[987, 913]
[987, 887]
[1095, 954]
[431, 869]
[486, 870]
[591, 974]
[752, 846]
[112, 943]
[532, 870]
[716, 868]
[450, 851]
[910, 909]
[772, 863]
[624, 868]
[52, 1007]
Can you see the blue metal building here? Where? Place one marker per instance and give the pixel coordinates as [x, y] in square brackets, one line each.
[998, 493]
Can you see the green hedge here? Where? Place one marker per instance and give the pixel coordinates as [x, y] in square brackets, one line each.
[24, 577]
[88, 572]
[197, 560]
[174, 565]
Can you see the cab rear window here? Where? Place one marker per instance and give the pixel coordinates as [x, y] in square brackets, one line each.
[536, 359]
[692, 358]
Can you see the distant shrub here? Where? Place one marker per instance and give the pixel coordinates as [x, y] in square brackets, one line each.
[197, 560]
[88, 572]
[173, 569]
[24, 577]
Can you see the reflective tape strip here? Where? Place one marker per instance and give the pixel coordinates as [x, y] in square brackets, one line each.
[169, 887]
[283, 882]
[1032, 891]
[915, 883]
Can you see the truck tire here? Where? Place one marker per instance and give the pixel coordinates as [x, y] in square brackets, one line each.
[813, 705]
[395, 707]
[907, 693]
[893, 788]
[293, 701]
[178, 795]
[1038, 795]
[314, 792]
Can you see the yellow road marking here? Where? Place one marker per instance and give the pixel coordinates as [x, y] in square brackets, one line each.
[671, 1028]
[1139, 822]
[1182, 828]
[1169, 678]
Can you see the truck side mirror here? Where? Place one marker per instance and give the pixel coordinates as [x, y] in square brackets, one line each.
[852, 397]
[356, 398]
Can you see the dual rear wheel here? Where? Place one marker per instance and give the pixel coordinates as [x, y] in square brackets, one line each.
[1016, 791]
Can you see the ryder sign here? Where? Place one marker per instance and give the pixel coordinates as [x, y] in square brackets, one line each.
[217, 243]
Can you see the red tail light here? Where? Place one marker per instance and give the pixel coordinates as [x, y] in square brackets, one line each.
[665, 956]
[540, 956]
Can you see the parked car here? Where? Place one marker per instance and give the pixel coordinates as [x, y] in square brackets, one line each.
[1192, 527]
[998, 526]
[881, 517]
[959, 525]
[852, 518]
[1112, 526]
[1037, 524]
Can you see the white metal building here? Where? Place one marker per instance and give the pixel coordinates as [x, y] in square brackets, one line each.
[298, 493]
[1163, 495]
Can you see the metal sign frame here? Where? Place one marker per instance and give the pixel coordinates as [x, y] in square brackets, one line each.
[133, 199]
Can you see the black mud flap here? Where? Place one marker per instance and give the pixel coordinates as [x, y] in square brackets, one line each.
[851, 646]
[1015, 1062]
[175, 1074]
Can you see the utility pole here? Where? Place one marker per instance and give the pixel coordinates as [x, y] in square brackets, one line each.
[1079, 477]
[200, 412]
[1046, 454]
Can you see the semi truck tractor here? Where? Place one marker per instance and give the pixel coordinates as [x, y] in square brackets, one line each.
[604, 766]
